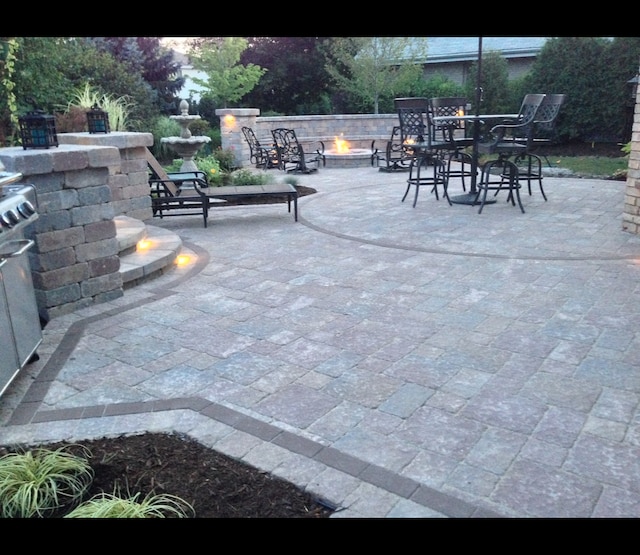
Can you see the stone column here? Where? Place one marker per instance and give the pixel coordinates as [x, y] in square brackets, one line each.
[129, 179]
[631, 212]
[232, 120]
[75, 261]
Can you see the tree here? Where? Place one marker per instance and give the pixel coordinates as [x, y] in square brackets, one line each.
[580, 67]
[40, 77]
[370, 67]
[154, 63]
[494, 84]
[109, 76]
[296, 81]
[227, 80]
[49, 72]
[8, 106]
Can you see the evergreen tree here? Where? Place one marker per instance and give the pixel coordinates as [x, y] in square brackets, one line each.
[580, 67]
[146, 57]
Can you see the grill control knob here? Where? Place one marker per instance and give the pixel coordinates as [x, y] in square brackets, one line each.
[26, 209]
[9, 218]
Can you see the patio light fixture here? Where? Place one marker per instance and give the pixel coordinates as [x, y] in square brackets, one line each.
[38, 130]
[98, 120]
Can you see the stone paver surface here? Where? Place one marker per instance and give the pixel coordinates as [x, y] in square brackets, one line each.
[396, 361]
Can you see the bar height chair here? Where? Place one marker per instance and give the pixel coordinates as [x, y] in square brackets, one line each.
[453, 132]
[422, 152]
[510, 140]
[509, 180]
[529, 163]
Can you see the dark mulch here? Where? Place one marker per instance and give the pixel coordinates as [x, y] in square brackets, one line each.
[215, 485]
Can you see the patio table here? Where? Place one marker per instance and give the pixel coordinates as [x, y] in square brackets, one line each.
[470, 197]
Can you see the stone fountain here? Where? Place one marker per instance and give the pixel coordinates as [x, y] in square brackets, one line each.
[186, 145]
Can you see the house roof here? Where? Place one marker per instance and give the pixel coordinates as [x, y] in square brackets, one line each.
[458, 49]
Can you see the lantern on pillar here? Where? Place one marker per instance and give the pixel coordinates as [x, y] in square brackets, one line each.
[98, 120]
[38, 130]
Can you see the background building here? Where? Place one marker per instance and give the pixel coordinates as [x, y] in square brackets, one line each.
[452, 57]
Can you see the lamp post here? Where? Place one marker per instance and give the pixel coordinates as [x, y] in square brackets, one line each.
[98, 120]
[38, 130]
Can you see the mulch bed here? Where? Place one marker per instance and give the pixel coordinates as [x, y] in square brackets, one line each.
[215, 485]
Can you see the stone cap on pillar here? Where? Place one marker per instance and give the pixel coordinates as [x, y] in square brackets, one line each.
[238, 112]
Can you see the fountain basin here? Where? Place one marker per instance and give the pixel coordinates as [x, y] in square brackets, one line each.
[186, 149]
[354, 158]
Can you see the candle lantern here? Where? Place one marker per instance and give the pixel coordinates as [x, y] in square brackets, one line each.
[98, 120]
[38, 130]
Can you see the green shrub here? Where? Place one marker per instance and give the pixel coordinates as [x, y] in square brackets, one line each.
[107, 505]
[174, 166]
[199, 127]
[163, 127]
[39, 482]
[226, 157]
[244, 176]
[216, 140]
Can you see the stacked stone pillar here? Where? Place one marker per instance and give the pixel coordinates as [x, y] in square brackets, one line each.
[232, 120]
[80, 188]
[129, 179]
[631, 213]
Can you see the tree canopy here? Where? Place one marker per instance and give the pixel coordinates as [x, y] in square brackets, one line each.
[295, 82]
[370, 67]
[227, 79]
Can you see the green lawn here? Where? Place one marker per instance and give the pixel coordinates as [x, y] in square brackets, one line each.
[592, 166]
[600, 166]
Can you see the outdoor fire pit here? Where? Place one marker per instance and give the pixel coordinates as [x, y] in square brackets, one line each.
[341, 155]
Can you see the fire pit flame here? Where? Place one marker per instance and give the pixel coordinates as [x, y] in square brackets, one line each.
[341, 155]
[341, 145]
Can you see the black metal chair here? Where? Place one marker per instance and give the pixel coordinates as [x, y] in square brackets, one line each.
[453, 132]
[262, 156]
[530, 163]
[510, 137]
[291, 153]
[508, 180]
[420, 149]
[510, 140]
[395, 155]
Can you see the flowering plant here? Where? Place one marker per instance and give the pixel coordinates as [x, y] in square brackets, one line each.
[211, 167]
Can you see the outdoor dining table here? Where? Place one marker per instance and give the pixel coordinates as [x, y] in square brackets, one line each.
[470, 197]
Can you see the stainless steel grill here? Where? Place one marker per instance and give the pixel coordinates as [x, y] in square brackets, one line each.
[20, 329]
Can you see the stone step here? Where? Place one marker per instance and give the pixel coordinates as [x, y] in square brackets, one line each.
[138, 264]
[128, 232]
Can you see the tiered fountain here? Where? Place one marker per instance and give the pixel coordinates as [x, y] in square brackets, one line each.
[186, 145]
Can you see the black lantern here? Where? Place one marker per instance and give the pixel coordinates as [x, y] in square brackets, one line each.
[38, 130]
[98, 120]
